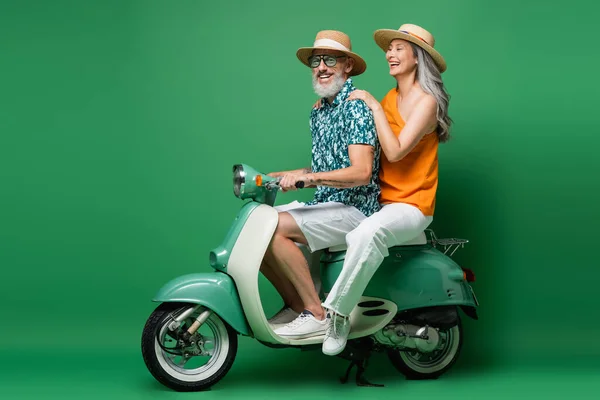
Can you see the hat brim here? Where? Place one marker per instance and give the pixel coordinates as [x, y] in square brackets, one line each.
[383, 37]
[359, 67]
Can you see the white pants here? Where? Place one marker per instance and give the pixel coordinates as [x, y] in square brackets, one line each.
[367, 246]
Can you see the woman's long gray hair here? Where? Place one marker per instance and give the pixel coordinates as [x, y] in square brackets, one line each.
[430, 79]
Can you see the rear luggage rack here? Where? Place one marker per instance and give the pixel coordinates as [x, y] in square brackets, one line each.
[448, 243]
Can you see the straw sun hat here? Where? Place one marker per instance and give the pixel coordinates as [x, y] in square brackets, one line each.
[333, 40]
[414, 34]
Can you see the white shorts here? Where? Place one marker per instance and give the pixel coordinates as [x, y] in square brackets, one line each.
[325, 224]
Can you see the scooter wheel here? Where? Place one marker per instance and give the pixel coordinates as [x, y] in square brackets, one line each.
[199, 364]
[420, 366]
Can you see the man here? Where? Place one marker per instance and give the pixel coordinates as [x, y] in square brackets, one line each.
[345, 166]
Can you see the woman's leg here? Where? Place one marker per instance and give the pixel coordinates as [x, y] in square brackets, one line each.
[368, 245]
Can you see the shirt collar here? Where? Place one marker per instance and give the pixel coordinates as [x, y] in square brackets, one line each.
[342, 94]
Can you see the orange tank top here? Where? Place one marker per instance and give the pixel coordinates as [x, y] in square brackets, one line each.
[414, 179]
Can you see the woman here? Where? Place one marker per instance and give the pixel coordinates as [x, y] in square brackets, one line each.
[411, 121]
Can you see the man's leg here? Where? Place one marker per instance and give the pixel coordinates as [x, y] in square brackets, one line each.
[282, 284]
[292, 304]
[319, 227]
[292, 263]
[367, 247]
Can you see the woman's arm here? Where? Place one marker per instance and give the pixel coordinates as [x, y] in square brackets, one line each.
[421, 121]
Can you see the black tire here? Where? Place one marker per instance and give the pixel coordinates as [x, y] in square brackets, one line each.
[412, 369]
[160, 367]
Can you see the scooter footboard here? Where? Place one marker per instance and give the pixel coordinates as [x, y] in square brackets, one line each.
[215, 291]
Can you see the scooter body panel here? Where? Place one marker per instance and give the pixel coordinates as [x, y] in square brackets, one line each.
[219, 257]
[214, 290]
[411, 276]
[244, 266]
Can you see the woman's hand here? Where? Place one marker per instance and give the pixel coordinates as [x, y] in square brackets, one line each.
[365, 96]
[317, 105]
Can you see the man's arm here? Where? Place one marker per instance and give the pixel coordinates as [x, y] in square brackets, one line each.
[301, 171]
[362, 139]
[357, 174]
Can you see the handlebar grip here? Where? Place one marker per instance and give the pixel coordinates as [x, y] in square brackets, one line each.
[300, 184]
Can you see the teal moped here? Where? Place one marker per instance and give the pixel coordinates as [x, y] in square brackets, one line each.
[410, 309]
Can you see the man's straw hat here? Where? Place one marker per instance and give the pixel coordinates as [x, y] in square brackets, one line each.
[333, 40]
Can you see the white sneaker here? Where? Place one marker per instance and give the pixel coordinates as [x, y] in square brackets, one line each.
[283, 317]
[306, 325]
[336, 335]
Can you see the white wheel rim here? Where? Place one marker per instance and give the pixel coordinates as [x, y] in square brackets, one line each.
[215, 362]
[441, 361]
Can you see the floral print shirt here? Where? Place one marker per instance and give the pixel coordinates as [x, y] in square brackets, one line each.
[334, 127]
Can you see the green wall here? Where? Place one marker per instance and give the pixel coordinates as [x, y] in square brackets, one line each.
[120, 121]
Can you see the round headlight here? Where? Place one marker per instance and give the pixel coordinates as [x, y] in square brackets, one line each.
[239, 177]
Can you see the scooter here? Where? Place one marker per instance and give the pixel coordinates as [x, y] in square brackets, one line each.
[410, 308]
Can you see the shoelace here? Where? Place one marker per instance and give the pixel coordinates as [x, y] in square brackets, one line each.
[298, 321]
[338, 323]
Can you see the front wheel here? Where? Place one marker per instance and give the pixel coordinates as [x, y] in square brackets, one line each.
[417, 365]
[192, 365]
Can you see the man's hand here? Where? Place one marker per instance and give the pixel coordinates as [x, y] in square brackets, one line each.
[288, 182]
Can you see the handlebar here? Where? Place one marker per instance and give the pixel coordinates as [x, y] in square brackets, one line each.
[299, 184]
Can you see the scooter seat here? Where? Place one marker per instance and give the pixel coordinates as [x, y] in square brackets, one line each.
[420, 239]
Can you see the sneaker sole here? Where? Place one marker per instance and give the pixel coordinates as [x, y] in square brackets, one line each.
[303, 336]
[333, 353]
[279, 322]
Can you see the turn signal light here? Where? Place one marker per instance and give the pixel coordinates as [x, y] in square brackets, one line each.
[468, 275]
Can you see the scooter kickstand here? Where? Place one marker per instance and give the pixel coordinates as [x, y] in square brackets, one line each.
[360, 370]
[360, 380]
[344, 378]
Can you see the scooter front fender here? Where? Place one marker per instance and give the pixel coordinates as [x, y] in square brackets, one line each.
[214, 290]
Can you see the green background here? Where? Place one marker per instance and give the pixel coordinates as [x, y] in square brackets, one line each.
[119, 124]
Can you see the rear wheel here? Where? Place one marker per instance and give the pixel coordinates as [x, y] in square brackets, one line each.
[417, 365]
[193, 365]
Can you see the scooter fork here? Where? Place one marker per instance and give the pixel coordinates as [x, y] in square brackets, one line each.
[204, 314]
[199, 321]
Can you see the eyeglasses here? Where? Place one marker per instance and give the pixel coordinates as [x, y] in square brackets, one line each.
[330, 61]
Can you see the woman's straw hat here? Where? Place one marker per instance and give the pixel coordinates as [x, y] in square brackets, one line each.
[333, 40]
[414, 34]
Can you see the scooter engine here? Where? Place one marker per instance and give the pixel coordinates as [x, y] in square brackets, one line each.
[406, 336]
[418, 329]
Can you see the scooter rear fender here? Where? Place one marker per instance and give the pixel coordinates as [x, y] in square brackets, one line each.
[214, 290]
[412, 277]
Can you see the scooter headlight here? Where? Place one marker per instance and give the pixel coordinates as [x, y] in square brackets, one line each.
[239, 179]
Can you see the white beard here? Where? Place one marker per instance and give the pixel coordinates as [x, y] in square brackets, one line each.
[330, 90]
